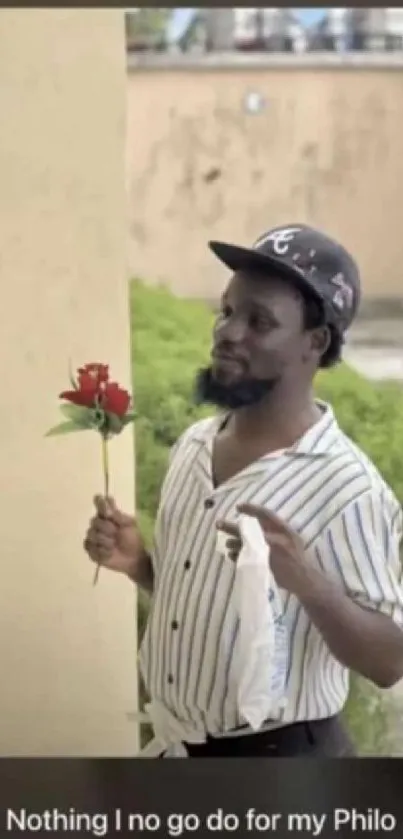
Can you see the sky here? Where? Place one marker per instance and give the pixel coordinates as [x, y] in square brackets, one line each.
[181, 17]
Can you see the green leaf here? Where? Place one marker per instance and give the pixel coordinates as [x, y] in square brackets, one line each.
[79, 415]
[128, 418]
[99, 419]
[64, 428]
[114, 423]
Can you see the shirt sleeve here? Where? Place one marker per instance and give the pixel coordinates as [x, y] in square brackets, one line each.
[362, 547]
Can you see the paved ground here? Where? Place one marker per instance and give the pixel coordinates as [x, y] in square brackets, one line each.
[375, 348]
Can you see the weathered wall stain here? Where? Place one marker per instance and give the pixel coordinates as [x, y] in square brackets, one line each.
[326, 148]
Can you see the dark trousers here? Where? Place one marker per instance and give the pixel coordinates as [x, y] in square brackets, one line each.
[320, 738]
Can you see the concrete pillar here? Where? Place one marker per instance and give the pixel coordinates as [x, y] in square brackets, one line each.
[67, 650]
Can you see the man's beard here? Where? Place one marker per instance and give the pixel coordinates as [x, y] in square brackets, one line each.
[239, 395]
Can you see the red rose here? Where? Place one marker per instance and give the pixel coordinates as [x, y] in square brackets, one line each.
[99, 372]
[101, 405]
[86, 392]
[94, 390]
[115, 399]
[89, 390]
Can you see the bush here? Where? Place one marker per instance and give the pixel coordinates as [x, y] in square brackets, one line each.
[170, 340]
[372, 415]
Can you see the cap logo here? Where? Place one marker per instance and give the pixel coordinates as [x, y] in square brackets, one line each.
[343, 297]
[280, 239]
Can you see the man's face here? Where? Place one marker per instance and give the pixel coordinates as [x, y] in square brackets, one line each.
[259, 339]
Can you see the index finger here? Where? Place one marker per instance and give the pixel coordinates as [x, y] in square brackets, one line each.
[230, 529]
[265, 517]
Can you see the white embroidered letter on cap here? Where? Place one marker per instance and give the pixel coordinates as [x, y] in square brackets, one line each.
[280, 239]
[344, 295]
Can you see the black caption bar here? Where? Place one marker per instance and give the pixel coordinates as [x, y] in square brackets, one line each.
[201, 798]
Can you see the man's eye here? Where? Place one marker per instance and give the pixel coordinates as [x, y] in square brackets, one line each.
[225, 312]
[259, 322]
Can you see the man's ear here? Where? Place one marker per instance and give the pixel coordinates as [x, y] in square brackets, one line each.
[320, 340]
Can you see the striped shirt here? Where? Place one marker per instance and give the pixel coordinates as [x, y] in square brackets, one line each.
[331, 494]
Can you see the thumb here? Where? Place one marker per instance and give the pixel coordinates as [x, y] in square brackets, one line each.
[107, 508]
[121, 519]
[103, 506]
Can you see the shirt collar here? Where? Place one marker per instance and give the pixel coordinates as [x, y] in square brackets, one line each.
[318, 441]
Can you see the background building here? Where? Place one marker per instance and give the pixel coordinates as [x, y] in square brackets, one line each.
[229, 146]
[266, 29]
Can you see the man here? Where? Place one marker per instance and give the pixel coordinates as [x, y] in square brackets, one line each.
[277, 454]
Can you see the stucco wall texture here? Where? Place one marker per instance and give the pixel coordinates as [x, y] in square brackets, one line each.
[67, 649]
[325, 148]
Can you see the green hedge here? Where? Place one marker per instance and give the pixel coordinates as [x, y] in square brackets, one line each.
[170, 340]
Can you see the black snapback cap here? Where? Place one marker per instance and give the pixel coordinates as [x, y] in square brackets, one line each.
[313, 262]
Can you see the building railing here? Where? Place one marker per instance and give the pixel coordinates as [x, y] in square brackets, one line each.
[356, 42]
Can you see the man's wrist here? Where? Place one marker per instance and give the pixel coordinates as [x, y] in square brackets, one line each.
[141, 571]
[308, 583]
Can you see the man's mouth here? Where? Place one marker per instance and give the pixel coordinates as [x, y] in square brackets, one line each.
[221, 355]
[228, 361]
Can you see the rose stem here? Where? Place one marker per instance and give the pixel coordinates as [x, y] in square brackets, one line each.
[105, 469]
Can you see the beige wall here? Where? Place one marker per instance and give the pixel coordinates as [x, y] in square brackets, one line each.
[327, 148]
[67, 650]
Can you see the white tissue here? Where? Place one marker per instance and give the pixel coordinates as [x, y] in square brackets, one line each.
[262, 639]
[221, 543]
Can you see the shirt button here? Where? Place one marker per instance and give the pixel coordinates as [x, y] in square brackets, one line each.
[187, 565]
[175, 625]
[170, 679]
[208, 504]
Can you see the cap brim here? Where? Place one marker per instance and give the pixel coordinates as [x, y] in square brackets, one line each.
[246, 259]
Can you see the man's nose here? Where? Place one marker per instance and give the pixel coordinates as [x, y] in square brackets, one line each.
[232, 331]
